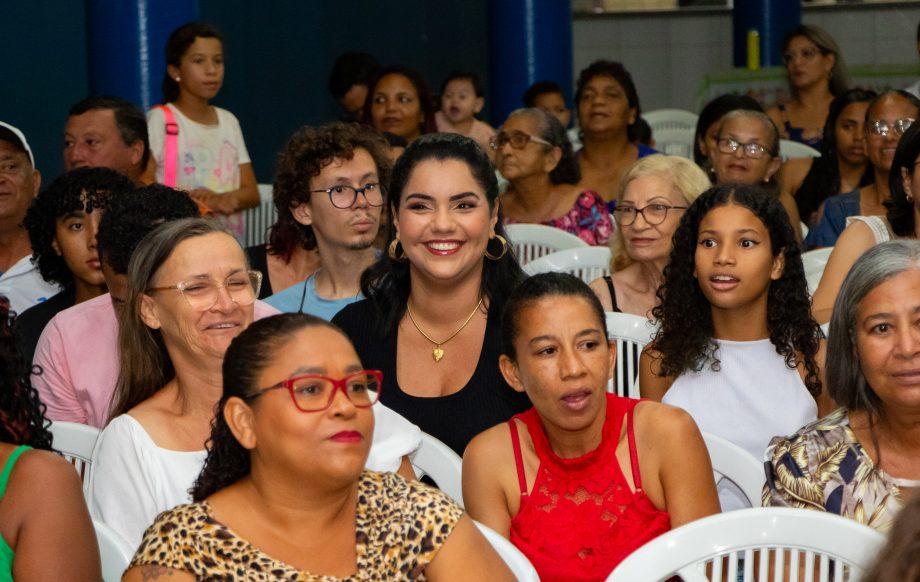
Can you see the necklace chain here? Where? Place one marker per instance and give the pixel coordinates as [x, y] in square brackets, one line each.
[437, 353]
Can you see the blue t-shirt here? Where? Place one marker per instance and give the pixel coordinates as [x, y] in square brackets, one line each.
[302, 298]
[834, 220]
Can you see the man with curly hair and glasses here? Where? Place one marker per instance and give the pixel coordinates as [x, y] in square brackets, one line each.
[330, 187]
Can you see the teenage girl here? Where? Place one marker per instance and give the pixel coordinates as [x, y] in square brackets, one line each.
[208, 157]
[737, 347]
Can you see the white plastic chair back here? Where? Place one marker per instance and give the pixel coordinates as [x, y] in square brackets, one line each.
[814, 263]
[517, 562]
[662, 119]
[532, 241]
[585, 263]
[75, 442]
[832, 548]
[675, 142]
[259, 219]
[632, 333]
[789, 149]
[115, 552]
[732, 463]
[439, 462]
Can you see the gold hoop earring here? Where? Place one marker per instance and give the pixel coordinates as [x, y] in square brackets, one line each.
[393, 251]
[504, 242]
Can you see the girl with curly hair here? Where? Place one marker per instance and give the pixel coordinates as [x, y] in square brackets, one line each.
[45, 531]
[737, 348]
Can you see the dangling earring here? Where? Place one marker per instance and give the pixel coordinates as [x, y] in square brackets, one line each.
[504, 242]
[395, 251]
[177, 78]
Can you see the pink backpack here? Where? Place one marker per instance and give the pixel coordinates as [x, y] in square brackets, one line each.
[171, 147]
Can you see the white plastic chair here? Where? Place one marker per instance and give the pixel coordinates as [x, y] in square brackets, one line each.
[661, 119]
[842, 547]
[585, 263]
[441, 464]
[632, 333]
[75, 441]
[814, 263]
[517, 562]
[734, 464]
[532, 241]
[675, 142]
[259, 219]
[789, 149]
[115, 552]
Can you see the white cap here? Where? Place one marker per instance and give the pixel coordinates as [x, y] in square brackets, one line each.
[17, 138]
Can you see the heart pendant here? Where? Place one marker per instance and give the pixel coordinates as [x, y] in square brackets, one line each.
[437, 354]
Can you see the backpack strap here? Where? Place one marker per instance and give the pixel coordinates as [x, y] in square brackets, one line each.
[171, 147]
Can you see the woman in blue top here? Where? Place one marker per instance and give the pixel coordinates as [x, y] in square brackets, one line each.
[45, 529]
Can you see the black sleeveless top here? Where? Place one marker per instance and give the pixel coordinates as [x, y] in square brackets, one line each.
[455, 419]
[613, 294]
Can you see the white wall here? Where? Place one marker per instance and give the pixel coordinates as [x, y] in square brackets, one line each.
[669, 53]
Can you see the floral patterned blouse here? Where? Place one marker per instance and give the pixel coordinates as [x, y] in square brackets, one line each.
[588, 219]
[823, 466]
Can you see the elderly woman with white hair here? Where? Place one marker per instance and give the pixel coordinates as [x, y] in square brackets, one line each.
[652, 197]
[861, 460]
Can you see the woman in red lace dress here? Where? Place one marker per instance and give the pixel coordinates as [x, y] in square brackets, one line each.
[585, 477]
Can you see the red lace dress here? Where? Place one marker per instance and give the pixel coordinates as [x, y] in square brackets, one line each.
[581, 519]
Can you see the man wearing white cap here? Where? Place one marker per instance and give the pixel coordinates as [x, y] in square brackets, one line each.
[20, 280]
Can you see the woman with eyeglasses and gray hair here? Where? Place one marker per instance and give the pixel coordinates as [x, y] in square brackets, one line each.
[534, 154]
[861, 460]
[900, 220]
[190, 292]
[653, 195]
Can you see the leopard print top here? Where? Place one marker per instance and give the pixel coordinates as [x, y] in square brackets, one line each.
[401, 525]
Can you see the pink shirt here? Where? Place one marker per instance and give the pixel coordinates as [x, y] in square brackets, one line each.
[481, 132]
[78, 356]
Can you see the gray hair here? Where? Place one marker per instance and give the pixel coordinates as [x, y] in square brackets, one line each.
[845, 378]
[550, 129]
[759, 116]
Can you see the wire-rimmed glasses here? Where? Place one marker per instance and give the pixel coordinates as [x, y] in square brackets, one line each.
[517, 139]
[202, 293]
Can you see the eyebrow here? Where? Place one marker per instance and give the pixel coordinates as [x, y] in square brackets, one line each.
[321, 371]
[208, 275]
[453, 198]
[367, 176]
[886, 315]
[739, 231]
[74, 214]
[549, 337]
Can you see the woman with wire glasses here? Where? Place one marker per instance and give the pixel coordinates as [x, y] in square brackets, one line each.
[887, 118]
[747, 152]
[534, 154]
[190, 292]
[864, 232]
[284, 494]
[652, 198]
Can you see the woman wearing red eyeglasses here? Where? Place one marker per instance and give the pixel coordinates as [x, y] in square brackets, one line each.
[817, 73]
[534, 154]
[284, 494]
[190, 292]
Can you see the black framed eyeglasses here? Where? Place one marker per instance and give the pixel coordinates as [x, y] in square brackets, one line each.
[751, 149]
[315, 392]
[517, 139]
[343, 196]
[652, 213]
[882, 127]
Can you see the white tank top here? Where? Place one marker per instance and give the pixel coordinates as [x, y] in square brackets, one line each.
[751, 399]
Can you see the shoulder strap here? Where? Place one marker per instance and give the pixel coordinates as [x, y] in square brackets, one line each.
[8, 468]
[171, 147]
[518, 457]
[633, 455]
[613, 294]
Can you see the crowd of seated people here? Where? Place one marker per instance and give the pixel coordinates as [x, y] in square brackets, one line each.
[213, 372]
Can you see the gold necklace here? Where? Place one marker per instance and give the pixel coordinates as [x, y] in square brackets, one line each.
[437, 353]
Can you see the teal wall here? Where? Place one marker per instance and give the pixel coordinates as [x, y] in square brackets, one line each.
[279, 54]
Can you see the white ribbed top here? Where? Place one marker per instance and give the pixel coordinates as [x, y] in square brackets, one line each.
[751, 399]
